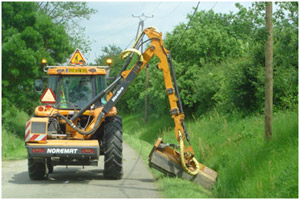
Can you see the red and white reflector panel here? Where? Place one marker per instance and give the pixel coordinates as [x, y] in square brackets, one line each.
[48, 96]
[36, 137]
[36, 130]
[27, 129]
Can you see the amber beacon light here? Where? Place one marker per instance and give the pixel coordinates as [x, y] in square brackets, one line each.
[109, 61]
[44, 61]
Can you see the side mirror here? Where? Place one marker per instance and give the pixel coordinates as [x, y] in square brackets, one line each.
[38, 85]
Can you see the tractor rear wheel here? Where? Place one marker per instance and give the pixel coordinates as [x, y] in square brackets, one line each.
[113, 148]
[36, 169]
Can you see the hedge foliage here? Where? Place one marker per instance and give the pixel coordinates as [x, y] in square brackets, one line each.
[219, 63]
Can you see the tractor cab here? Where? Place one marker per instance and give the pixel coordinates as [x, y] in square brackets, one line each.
[74, 91]
[76, 84]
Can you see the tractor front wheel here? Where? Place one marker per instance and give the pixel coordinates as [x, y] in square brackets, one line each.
[113, 148]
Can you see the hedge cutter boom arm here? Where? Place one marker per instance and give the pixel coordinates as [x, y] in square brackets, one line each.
[189, 163]
[162, 157]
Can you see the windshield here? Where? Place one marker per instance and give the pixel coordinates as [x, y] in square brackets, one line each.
[76, 91]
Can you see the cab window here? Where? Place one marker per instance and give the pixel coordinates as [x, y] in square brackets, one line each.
[75, 91]
[100, 86]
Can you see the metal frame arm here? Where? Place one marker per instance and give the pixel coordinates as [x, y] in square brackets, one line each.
[155, 48]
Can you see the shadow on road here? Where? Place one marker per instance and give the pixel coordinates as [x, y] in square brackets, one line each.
[66, 176]
[61, 175]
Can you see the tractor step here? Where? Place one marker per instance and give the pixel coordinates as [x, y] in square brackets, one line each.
[167, 162]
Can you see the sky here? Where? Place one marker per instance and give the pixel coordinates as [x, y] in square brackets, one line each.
[114, 22]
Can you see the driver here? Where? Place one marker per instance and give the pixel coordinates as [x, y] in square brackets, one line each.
[83, 92]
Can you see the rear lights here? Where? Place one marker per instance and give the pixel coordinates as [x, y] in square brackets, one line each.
[44, 108]
[87, 151]
[38, 150]
[48, 107]
[41, 108]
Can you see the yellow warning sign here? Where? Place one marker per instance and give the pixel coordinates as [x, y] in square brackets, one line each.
[48, 96]
[77, 58]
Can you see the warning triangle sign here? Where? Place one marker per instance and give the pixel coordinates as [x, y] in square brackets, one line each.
[77, 58]
[48, 96]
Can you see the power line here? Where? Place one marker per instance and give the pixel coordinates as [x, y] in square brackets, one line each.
[155, 9]
[213, 6]
[172, 10]
[142, 18]
[142, 6]
[193, 17]
[130, 42]
[190, 21]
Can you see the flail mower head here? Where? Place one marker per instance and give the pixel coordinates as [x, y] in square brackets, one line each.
[166, 159]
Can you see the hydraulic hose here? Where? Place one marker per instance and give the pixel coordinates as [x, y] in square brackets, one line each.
[137, 39]
[97, 97]
[124, 54]
[186, 169]
[100, 117]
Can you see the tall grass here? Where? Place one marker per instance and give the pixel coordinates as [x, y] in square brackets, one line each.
[248, 165]
[13, 128]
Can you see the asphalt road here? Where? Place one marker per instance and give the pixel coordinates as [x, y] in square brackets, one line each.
[76, 182]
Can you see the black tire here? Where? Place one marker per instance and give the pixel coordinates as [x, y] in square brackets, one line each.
[36, 169]
[113, 148]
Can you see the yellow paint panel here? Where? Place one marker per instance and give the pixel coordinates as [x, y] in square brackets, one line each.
[76, 70]
[71, 70]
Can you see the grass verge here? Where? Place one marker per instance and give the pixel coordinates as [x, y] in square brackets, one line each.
[142, 137]
[249, 166]
[13, 136]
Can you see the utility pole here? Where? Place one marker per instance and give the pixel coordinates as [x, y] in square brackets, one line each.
[142, 18]
[269, 73]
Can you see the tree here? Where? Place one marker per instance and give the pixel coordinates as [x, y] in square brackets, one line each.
[66, 13]
[28, 36]
[222, 58]
[113, 52]
[209, 38]
[69, 14]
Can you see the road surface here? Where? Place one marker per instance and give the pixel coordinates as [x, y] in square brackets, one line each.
[76, 182]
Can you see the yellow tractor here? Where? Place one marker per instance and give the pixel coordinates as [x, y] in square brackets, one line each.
[78, 121]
